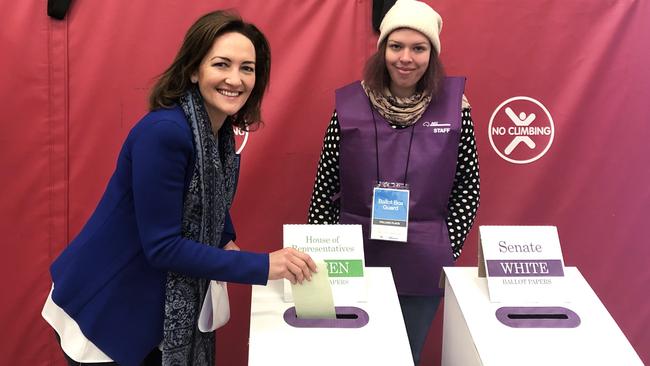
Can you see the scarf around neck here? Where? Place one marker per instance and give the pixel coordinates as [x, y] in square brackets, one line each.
[207, 198]
[396, 110]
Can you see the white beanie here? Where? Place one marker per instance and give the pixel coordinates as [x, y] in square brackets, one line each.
[415, 15]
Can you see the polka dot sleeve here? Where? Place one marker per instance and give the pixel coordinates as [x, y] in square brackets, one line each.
[323, 209]
[465, 193]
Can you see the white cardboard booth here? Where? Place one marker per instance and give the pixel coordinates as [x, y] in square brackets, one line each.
[579, 331]
[364, 333]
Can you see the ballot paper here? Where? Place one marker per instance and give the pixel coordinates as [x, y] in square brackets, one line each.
[313, 298]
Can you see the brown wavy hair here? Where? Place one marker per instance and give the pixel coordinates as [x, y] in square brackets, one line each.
[377, 78]
[173, 83]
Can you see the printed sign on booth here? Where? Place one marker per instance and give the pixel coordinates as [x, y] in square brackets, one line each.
[341, 248]
[522, 263]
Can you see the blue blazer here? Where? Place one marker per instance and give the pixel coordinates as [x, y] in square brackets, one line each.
[111, 277]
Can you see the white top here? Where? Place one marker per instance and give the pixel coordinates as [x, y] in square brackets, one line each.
[79, 348]
[73, 341]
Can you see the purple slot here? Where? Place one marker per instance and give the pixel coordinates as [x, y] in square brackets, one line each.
[537, 317]
[346, 317]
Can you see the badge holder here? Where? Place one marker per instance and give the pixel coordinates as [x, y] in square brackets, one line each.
[390, 212]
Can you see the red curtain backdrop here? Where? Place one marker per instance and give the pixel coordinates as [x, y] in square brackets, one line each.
[72, 89]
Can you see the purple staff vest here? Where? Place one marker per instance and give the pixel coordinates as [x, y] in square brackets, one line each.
[416, 264]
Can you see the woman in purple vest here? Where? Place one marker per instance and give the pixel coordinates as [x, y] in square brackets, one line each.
[130, 288]
[405, 128]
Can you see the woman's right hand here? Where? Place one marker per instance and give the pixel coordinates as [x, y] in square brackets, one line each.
[291, 264]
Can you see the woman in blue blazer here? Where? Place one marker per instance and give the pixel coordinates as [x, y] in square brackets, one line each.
[129, 288]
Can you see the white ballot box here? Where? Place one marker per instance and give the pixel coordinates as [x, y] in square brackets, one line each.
[365, 333]
[577, 332]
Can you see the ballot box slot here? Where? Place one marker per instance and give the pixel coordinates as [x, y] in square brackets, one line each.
[346, 317]
[537, 317]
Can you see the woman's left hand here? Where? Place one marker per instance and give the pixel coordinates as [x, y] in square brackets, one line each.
[231, 246]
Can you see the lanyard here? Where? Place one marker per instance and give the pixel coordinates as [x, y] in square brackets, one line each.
[408, 156]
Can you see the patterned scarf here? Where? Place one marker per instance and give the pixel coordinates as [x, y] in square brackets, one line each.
[396, 110]
[209, 195]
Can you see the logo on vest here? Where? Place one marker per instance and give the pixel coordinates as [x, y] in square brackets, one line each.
[438, 127]
[241, 138]
[521, 130]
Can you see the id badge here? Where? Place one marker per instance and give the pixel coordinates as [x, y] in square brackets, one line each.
[390, 212]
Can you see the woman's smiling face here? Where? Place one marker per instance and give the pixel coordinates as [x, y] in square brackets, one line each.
[407, 58]
[226, 76]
